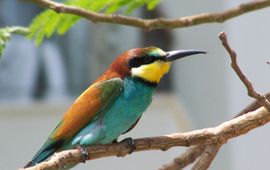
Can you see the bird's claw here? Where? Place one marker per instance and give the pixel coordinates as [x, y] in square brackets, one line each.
[84, 153]
[130, 143]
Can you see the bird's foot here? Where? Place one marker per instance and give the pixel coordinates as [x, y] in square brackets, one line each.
[84, 152]
[115, 141]
[131, 144]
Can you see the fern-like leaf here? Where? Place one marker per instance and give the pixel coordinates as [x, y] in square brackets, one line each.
[49, 22]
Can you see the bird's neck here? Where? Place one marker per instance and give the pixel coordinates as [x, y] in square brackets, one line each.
[145, 82]
[138, 87]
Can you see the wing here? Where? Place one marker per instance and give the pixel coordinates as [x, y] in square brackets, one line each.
[86, 107]
[131, 127]
[90, 103]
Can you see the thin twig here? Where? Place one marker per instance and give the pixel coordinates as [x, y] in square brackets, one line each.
[252, 106]
[185, 159]
[157, 23]
[19, 30]
[207, 157]
[251, 92]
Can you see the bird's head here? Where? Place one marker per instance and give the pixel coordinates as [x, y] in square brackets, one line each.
[149, 64]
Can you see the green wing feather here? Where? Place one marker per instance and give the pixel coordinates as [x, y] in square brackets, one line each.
[91, 102]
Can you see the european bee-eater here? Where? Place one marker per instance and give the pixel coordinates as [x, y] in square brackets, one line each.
[114, 103]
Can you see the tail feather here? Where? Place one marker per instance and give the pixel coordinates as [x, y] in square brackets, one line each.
[39, 158]
[46, 151]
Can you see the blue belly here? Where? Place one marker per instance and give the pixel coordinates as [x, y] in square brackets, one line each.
[119, 117]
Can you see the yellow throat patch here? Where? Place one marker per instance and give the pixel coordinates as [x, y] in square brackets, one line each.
[152, 72]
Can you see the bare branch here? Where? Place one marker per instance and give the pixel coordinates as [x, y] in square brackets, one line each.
[207, 157]
[218, 135]
[157, 23]
[19, 30]
[208, 152]
[211, 151]
[251, 92]
[185, 159]
[252, 106]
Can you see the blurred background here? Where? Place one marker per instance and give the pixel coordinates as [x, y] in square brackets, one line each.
[37, 84]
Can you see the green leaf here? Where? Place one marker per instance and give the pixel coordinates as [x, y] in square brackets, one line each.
[117, 5]
[5, 34]
[152, 4]
[134, 5]
[49, 22]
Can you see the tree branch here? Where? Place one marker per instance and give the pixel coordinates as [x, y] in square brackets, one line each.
[185, 159]
[157, 23]
[24, 31]
[218, 135]
[252, 106]
[208, 152]
[251, 92]
[207, 157]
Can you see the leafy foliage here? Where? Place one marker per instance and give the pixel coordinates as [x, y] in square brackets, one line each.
[5, 34]
[4, 37]
[49, 22]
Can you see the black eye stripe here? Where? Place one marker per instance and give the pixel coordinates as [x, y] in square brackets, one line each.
[148, 60]
[138, 61]
[134, 63]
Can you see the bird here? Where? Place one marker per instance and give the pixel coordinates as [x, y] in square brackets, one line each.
[114, 103]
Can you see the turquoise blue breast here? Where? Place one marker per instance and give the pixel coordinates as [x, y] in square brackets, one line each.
[120, 116]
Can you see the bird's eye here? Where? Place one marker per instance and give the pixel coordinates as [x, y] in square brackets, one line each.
[135, 62]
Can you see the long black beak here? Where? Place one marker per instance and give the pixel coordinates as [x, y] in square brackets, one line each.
[177, 54]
